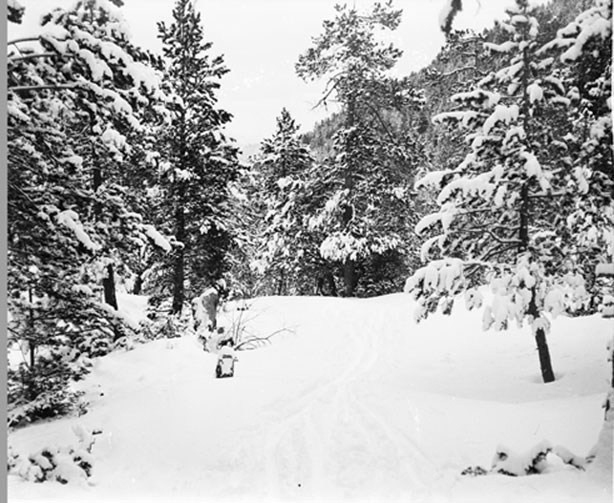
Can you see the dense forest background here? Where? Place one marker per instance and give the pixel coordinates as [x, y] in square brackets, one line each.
[493, 165]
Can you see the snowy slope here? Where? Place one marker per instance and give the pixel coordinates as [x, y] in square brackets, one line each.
[353, 403]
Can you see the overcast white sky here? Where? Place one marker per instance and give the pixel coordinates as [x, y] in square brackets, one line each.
[262, 39]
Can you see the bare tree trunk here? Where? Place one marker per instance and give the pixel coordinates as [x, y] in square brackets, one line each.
[331, 283]
[544, 356]
[108, 283]
[178, 265]
[349, 266]
[523, 234]
[31, 343]
[326, 276]
[281, 290]
[350, 277]
[138, 284]
[110, 296]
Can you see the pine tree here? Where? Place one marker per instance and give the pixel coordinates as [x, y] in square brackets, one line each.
[366, 173]
[279, 174]
[69, 97]
[583, 50]
[197, 161]
[498, 207]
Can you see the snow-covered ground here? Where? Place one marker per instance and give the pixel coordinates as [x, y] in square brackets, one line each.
[355, 402]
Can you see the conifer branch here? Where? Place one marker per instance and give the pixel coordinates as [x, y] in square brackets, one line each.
[54, 87]
[25, 39]
[32, 56]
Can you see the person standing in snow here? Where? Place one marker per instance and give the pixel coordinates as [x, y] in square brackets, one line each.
[205, 308]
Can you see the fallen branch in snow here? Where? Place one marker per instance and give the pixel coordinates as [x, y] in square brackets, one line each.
[244, 339]
[254, 341]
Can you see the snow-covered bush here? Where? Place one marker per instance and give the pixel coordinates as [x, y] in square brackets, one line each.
[12, 459]
[57, 402]
[44, 392]
[536, 460]
[72, 464]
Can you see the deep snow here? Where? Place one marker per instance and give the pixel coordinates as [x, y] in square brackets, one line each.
[355, 402]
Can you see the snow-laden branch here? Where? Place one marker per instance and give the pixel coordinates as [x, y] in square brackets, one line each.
[70, 219]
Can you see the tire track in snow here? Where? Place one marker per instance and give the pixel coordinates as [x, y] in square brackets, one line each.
[301, 422]
[335, 445]
[393, 455]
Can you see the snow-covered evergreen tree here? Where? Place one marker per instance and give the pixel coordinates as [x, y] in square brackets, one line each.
[500, 207]
[197, 160]
[584, 53]
[366, 179]
[72, 88]
[279, 173]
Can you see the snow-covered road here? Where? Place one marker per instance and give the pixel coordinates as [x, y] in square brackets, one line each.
[331, 442]
[354, 402]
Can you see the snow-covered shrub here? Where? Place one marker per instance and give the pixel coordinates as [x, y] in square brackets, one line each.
[146, 330]
[535, 461]
[53, 403]
[13, 459]
[70, 464]
[474, 471]
[506, 462]
[44, 392]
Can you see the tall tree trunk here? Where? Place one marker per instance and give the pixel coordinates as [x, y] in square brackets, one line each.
[138, 284]
[350, 277]
[349, 267]
[331, 282]
[523, 234]
[178, 265]
[108, 283]
[540, 335]
[31, 343]
[110, 296]
[544, 356]
[281, 283]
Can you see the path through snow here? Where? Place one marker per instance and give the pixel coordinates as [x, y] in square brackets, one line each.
[354, 403]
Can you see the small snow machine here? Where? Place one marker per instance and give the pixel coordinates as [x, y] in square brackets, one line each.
[225, 363]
